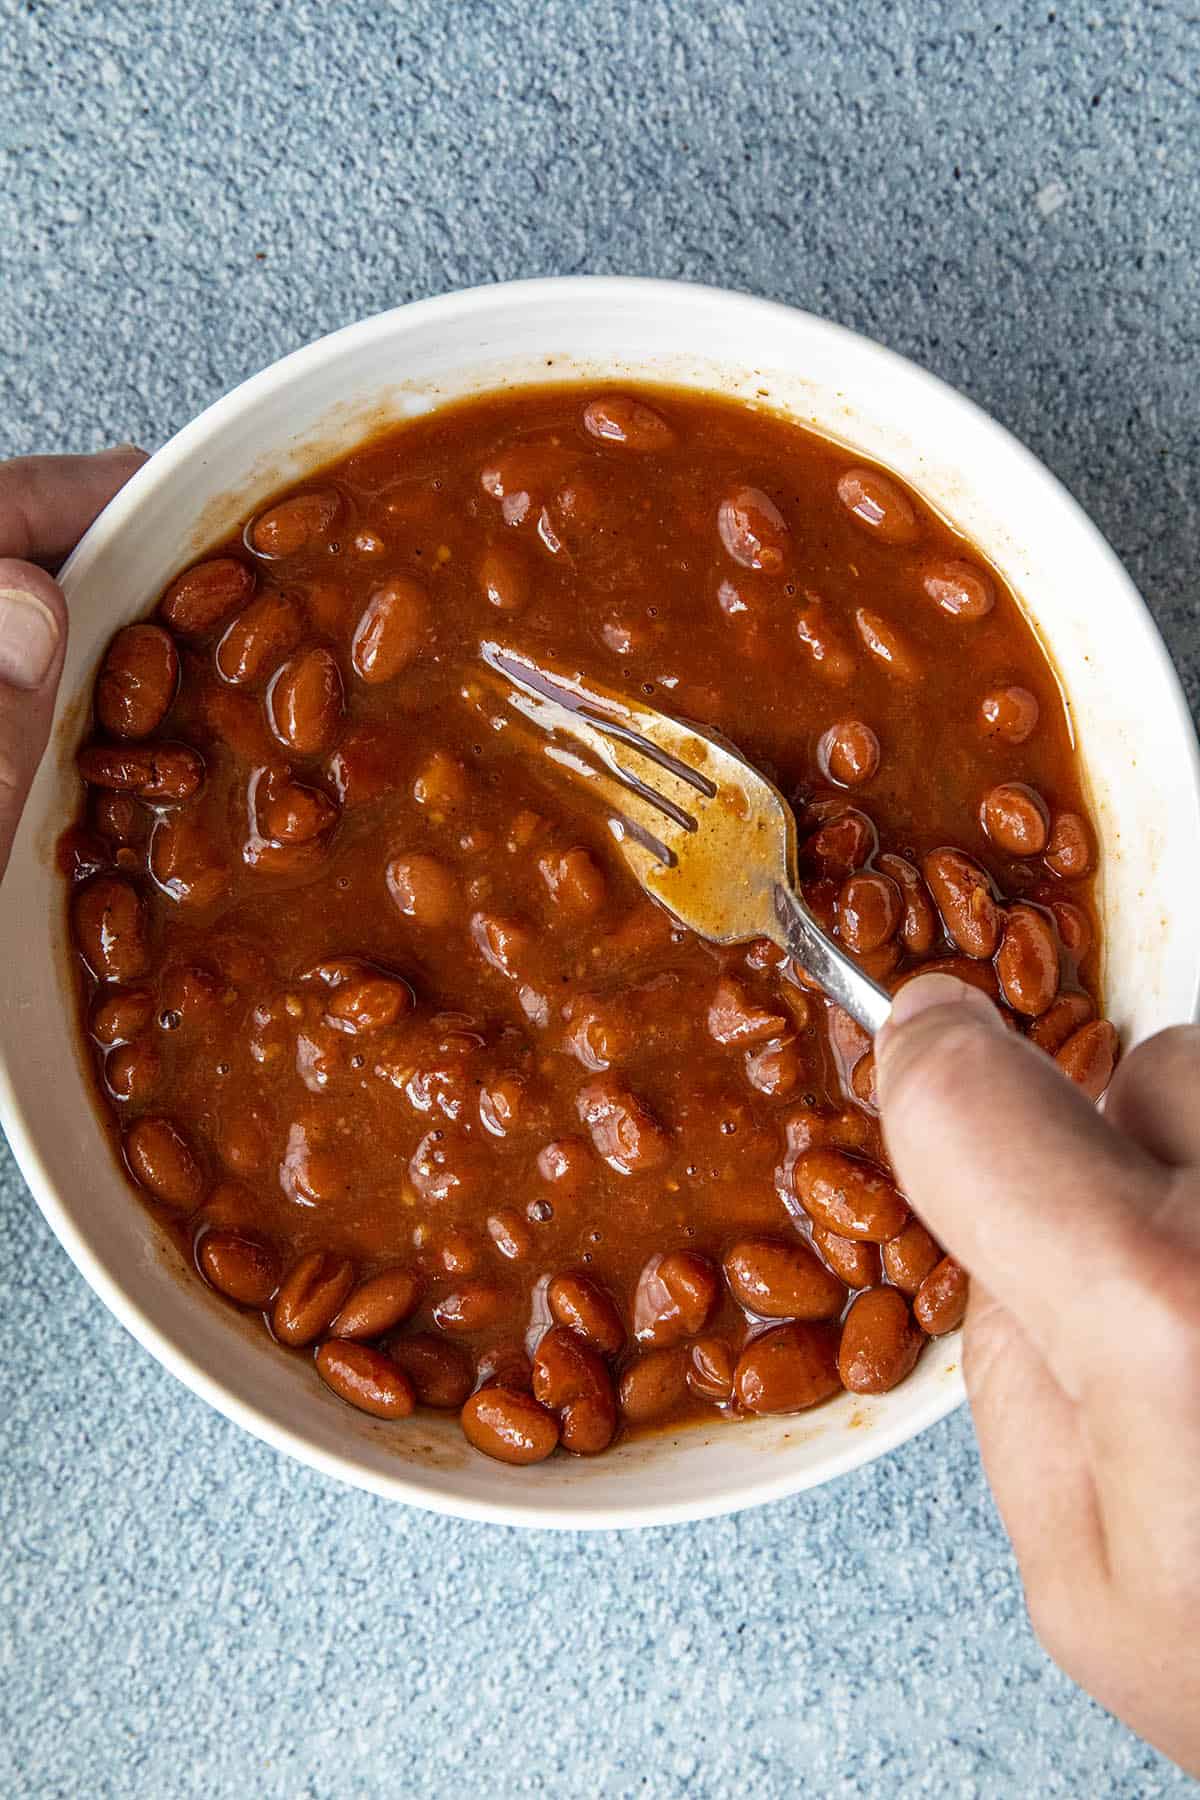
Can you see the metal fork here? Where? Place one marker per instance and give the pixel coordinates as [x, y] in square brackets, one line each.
[706, 834]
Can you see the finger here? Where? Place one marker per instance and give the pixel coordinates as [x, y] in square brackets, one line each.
[48, 502]
[1035, 1455]
[1010, 1166]
[1146, 1097]
[33, 636]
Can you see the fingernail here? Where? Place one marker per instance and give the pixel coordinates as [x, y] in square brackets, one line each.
[28, 638]
[923, 993]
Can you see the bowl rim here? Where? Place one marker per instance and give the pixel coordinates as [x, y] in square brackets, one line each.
[855, 1449]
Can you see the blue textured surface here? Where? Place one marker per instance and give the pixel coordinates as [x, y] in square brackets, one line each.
[1006, 193]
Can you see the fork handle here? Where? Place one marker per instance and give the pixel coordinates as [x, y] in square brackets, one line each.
[817, 954]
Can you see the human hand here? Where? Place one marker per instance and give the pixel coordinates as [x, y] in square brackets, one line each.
[1081, 1233]
[46, 505]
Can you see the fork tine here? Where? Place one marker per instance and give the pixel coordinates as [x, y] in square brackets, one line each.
[555, 703]
[656, 809]
[655, 753]
[646, 857]
[638, 825]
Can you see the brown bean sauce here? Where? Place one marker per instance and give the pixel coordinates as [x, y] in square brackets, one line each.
[385, 1030]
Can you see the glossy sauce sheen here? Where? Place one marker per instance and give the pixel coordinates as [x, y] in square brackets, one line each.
[387, 1033]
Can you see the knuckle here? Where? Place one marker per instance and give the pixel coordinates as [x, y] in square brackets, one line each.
[1170, 1057]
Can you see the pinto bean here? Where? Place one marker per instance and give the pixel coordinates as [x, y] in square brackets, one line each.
[377, 1305]
[440, 1372]
[1016, 818]
[291, 813]
[852, 1261]
[710, 1370]
[1089, 1056]
[778, 1279]
[570, 1378]
[301, 522]
[574, 881]
[734, 1018]
[849, 752]
[131, 1073]
[918, 927]
[268, 630]
[1060, 1021]
[653, 1384]
[475, 1306]
[879, 505]
[504, 1102]
[888, 645]
[504, 1365]
[864, 1082]
[511, 1234]
[504, 579]
[393, 630]
[941, 1301]
[880, 1344]
[674, 1298]
[1069, 849]
[137, 681]
[160, 1157]
[312, 1293]
[753, 530]
[909, 1257]
[870, 910]
[368, 1004]
[522, 475]
[959, 588]
[109, 923]
[848, 1195]
[161, 772]
[963, 896]
[120, 1014]
[1027, 961]
[422, 888]
[881, 963]
[510, 1425]
[618, 419]
[204, 596]
[788, 1368]
[305, 702]
[365, 1378]
[624, 1130]
[832, 657]
[242, 1268]
[186, 863]
[460, 1253]
[775, 1068]
[1009, 713]
[842, 843]
[1073, 926]
[118, 818]
[580, 1303]
[502, 942]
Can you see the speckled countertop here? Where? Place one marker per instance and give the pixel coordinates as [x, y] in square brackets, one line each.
[1008, 194]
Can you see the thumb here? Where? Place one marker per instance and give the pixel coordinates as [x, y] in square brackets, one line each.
[1009, 1165]
[33, 637]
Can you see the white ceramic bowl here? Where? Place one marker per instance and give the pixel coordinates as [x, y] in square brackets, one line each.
[1129, 713]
